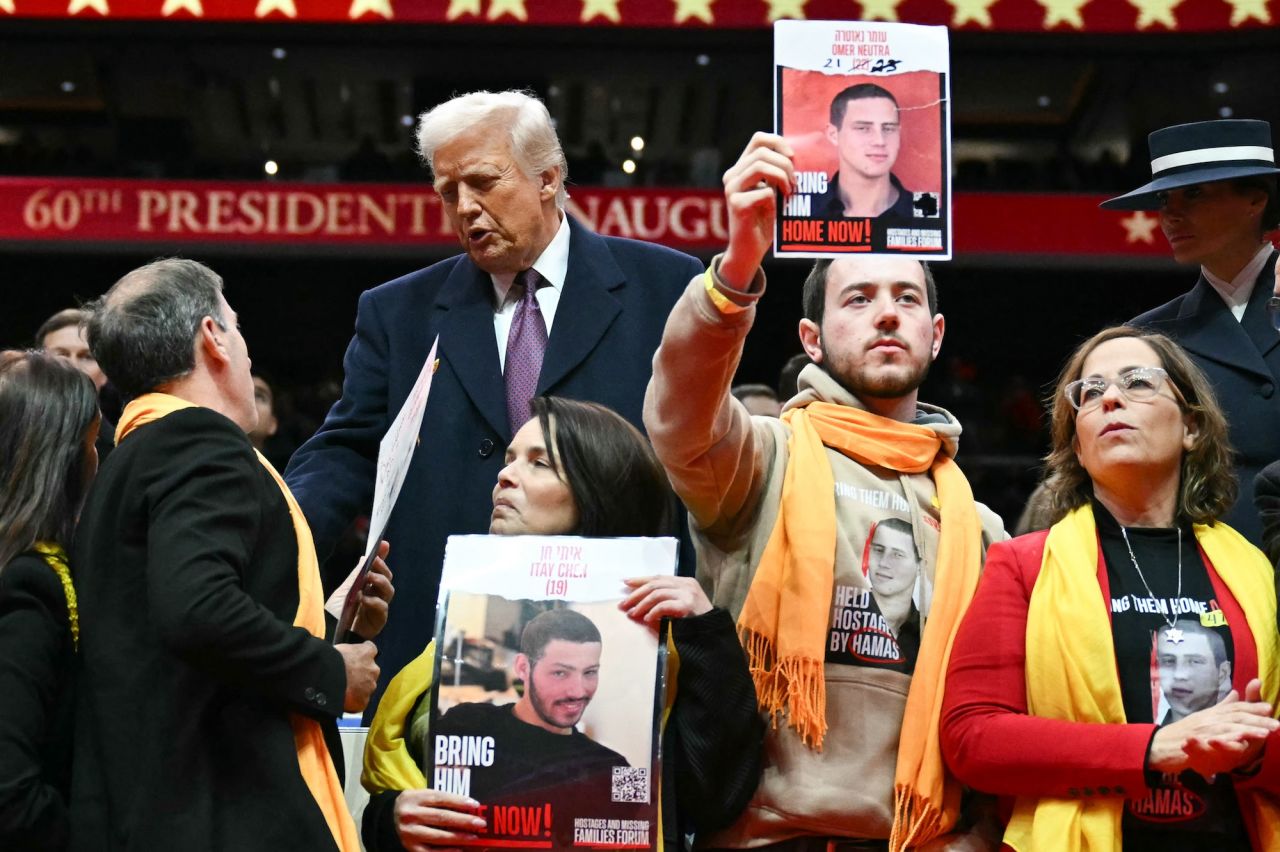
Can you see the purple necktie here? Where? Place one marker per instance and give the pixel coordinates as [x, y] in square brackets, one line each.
[526, 344]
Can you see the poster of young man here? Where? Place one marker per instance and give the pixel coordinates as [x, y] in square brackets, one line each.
[865, 106]
[876, 623]
[1175, 657]
[548, 698]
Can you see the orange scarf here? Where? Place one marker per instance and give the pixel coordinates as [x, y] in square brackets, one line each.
[785, 643]
[313, 754]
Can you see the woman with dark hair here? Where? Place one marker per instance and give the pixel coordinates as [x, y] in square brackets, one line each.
[48, 424]
[617, 486]
[578, 468]
[1116, 675]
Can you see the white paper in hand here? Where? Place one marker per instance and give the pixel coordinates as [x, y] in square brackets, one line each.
[395, 452]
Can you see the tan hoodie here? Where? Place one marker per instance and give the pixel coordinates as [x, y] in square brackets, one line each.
[727, 466]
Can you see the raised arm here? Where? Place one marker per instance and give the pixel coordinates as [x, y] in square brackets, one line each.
[702, 435]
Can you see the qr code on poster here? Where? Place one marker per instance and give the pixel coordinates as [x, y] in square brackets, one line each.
[630, 784]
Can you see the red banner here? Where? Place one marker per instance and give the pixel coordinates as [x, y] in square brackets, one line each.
[193, 213]
[1008, 15]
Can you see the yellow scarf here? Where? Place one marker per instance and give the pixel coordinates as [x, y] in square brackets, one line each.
[388, 762]
[56, 558]
[785, 643]
[313, 754]
[1071, 674]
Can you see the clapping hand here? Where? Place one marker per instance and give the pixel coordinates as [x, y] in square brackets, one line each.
[1227, 736]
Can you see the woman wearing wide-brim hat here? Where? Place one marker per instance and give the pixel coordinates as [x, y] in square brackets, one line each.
[1213, 185]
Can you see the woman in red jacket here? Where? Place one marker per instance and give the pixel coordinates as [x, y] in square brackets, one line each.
[1116, 675]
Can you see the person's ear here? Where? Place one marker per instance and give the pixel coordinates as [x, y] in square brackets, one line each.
[1258, 199]
[811, 340]
[1190, 432]
[833, 134]
[939, 328]
[550, 183]
[521, 669]
[211, 341]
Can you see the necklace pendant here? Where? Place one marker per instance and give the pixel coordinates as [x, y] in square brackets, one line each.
[1174, 635]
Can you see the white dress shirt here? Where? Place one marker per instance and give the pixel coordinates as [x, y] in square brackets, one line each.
[1236, 292]
[553, 266]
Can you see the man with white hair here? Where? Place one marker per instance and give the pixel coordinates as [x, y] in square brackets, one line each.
[536, 303]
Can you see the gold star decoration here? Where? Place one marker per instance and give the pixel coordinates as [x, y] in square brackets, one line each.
[1243, 10]
[1155, 11]
[602, 8]
[1140, 228]
[700, 9]
[193, 6]
[99, 6]
[379, 7]
[7, 5]
[266, 7]
[1063, 12]
[514, 8]
[458, 8]
[978, 11]
[779, 9]
[880, 10]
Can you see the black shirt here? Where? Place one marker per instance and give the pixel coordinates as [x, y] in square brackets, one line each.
[859, 635]
[1167, 673]
[829, 206]
[549, 782]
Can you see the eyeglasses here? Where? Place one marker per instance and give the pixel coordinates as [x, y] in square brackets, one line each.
[1137, 384]
[1273, 310]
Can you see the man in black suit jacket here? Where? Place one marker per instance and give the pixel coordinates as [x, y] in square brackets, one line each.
[1214, 186]
[499, 170]
[208, 695]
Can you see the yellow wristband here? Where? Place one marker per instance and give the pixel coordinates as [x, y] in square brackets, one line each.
[723, 303]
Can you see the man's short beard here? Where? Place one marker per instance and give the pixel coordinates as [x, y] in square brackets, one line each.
[882, 389]
[542, 709]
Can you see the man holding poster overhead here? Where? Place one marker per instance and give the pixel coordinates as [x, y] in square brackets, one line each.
[782, 512]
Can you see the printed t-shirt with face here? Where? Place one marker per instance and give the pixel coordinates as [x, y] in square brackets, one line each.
[1167, 673]
[876, 610]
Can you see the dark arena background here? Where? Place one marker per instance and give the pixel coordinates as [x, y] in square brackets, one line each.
[272, 139]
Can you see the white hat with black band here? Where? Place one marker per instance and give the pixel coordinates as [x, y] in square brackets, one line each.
[1202, 152]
